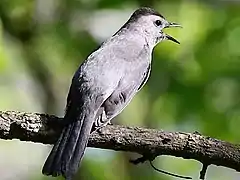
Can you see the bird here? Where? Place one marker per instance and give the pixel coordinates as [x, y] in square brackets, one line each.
[104, 84]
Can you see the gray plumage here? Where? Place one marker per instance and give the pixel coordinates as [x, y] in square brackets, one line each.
[104, 85]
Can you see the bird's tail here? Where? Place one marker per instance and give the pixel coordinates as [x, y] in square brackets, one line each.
[68, 151]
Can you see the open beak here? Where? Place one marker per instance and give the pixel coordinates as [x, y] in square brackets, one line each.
[168, 37]
[173, 24]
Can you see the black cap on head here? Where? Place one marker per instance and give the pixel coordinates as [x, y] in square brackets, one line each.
[145, 11]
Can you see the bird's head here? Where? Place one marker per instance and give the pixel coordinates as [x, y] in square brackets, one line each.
[151, 23]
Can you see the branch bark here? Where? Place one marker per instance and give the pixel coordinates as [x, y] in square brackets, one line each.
[43, 128]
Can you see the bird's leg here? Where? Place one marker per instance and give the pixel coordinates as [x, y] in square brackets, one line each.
[109, 122]
[103, 125]
[104, 119]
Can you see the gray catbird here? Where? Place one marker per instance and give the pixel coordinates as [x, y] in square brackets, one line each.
[104, 84]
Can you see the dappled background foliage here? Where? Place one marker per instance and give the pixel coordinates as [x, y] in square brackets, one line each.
[194, 86]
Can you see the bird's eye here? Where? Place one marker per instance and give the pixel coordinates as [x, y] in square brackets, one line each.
[158, 22]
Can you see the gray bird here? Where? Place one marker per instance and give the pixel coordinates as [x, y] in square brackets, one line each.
[104, 85]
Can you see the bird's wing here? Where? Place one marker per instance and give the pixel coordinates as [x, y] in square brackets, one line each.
[145, 77]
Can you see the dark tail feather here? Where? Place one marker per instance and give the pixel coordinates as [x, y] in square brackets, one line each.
[50, 166]
[67, 152]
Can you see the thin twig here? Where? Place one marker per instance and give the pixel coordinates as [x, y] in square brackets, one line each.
[168, 173]
[150, 158]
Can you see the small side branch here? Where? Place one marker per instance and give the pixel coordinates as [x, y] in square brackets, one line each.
[203, 171]
[45, 129]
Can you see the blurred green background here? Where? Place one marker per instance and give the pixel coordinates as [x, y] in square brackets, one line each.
[194, 86]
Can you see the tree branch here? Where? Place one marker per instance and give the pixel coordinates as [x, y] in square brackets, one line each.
[150, 143]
